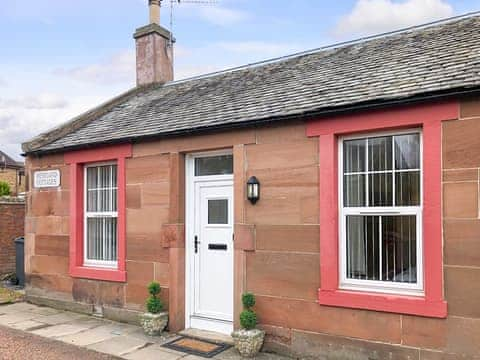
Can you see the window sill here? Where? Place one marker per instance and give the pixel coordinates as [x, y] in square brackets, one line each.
[93, 273]
[399, 304]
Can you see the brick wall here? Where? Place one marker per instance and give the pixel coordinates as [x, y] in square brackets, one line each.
[12, 219]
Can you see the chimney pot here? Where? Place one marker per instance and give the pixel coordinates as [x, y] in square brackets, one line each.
[154, 7]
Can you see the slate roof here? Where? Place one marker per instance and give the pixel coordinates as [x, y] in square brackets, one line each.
[7, 162]
[439, 58]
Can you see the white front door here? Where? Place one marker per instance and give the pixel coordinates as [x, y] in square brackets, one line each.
[210, 254]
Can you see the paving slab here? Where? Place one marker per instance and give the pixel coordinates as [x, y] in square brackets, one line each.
[17, 307]
[93, 336]
[42, 310]
[13, 318]
[59, 330]
[60, 318]
[28, 325]
[118, 345]
[153, 352]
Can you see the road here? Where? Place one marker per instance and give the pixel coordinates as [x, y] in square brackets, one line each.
[19, 345]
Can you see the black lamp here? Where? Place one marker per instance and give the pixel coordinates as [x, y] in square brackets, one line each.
[253, 190]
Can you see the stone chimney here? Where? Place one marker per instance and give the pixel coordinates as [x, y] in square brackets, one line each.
[154, 50]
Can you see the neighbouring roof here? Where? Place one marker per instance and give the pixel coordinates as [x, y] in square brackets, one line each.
[437, 59]
[7, 162]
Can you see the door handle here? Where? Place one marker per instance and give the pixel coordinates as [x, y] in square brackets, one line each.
[196, 242]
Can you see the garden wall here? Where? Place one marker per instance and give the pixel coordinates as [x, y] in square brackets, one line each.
[12, 219]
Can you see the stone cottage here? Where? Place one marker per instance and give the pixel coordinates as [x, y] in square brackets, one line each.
[358, 231]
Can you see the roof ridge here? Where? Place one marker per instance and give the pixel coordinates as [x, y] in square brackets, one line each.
[326, 47]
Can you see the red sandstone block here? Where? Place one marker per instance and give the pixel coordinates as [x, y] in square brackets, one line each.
[156, 194]
[283, 155]
[310, 316]
[281, 134]
[134, 197]
[424, 332]
[461, 144]
[299, 238]
[470, 108]
[147, 169]
[284, 274]
[462, 291]
[41, 264]
[460, 200]
[463, 336]
[462, 242]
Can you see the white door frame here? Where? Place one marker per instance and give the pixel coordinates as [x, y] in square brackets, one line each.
[190, 180]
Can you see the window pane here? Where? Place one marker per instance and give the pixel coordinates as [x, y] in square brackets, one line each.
[218, 211]
[380, 153]
[214, 165]
[102, 239]
[101, 188]
[407, 188]
[354, 156]
[363, 249]
[399, 255]
[354, 190]
[380, 189]
[407, 151]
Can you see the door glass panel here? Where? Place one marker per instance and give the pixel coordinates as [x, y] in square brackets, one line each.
[218, 211]
[214, 165]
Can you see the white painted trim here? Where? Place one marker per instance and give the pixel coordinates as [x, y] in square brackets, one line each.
[371, 285]
[190, 181]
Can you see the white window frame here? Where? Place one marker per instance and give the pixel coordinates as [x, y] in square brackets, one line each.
[87, 214]
[389, 287]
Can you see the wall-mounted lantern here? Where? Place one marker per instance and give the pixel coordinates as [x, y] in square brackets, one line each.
[253, 190]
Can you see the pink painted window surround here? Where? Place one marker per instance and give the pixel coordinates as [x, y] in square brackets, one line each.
[77, 161]
[428, 118]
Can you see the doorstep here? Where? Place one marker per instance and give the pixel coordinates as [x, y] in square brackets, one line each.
[125, 341]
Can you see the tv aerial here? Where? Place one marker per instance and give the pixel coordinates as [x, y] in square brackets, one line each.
[174, 3]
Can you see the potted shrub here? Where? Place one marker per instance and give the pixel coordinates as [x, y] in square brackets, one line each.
[154, 321]
[248, 340]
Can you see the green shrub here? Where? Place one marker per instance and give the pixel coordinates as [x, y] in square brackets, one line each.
[154, 288]
[248, 300]
[153, 303]
[248, 319]
[4, 188]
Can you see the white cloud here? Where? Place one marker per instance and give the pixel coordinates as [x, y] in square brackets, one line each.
[376, 16]
[41, 101]
[118, 68]
[212, 13]
[222, 16]
[3, 82]
[19, 124]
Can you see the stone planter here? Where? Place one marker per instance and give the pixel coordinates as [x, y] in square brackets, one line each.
[248, 342]
[154, 324]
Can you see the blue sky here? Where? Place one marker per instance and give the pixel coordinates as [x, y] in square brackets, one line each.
[59, 58]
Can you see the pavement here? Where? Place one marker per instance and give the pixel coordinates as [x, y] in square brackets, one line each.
[95, 336]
